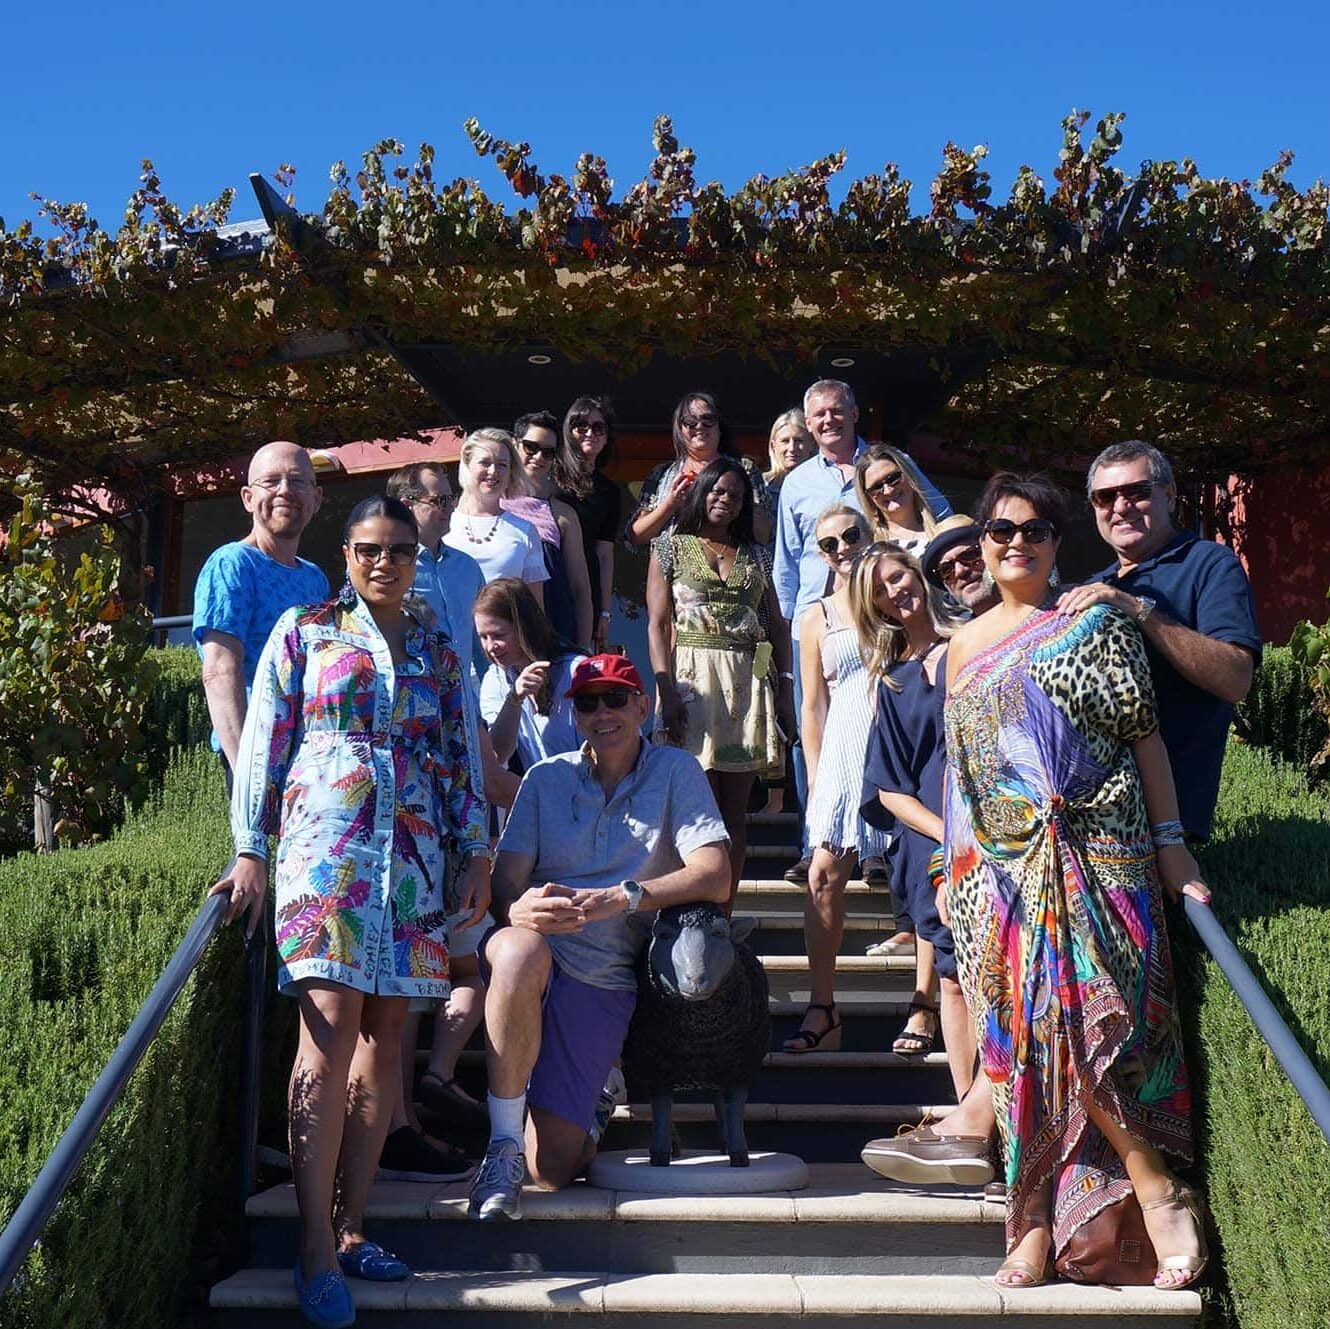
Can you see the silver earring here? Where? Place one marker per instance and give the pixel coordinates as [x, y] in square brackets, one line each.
[1054, 578]
[987, 582]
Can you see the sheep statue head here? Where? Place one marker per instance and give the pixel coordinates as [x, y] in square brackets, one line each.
[692, 950]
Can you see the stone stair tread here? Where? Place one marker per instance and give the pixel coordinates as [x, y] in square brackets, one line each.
[803, 1061]
[848, 1004]
[782, 920]
[837, 1192]
[863, 1113]
[845, 964]
[790, 819]
[699, 1293]
[779, 886]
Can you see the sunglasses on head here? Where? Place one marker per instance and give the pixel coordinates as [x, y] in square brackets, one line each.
[1138, 492]
[368, 555]
[596, 427]
[587, 703]
[970, 557]
[849, 537]
[1034, 532]
[537, 449]
[885, 483]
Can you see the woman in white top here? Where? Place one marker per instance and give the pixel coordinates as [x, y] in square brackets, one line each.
[522, 694]
[887, 483]
[503, 545]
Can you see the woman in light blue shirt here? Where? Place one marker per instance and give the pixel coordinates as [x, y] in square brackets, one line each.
[522, 694]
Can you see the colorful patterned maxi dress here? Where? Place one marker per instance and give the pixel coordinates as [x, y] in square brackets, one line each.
[1056, 911]
[370, 766]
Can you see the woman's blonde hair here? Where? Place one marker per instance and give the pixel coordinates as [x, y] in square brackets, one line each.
[496, 438]
[910, 479]
[883, 642]
[793, 417]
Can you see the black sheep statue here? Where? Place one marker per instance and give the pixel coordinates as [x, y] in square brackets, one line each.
[701, 1023]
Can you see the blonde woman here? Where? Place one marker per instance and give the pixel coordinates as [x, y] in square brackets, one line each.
[904, 625]
[836, 714]
[503, 545]
[789, 443]
[890, 491]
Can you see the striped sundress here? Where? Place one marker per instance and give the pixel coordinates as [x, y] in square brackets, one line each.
[834, 822]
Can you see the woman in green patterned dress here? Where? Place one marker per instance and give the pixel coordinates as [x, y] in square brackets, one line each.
[720, 649]
[1061, 826]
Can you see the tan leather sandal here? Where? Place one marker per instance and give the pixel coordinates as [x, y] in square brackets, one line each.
[1182, 1197]
[1013, 1264]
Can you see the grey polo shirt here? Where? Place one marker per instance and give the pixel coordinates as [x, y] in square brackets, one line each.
[659, 813]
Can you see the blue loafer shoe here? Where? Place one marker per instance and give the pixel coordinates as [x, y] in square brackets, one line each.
[325, 1300]
[370, 1261]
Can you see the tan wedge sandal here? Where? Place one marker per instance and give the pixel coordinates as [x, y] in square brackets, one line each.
[1183, 1197]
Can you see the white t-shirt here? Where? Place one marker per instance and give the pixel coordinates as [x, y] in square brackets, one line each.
[512, 550]
[538, 736]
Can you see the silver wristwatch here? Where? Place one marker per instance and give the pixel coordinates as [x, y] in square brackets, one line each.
[633, 892]
[1145, 606]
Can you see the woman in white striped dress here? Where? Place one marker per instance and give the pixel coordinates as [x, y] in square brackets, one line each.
[837, 715]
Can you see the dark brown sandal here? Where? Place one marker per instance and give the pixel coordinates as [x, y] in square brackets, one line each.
[807, 1041]
[919, 1045]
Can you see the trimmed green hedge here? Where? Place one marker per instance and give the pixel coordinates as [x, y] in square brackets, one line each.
[87, 931]
[1280, 712]
[1267, 1166]
[177, 715]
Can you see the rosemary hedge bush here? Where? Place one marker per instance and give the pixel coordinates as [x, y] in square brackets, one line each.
[87, 932]
[1266, 1165]
[1281, 712]
[177, 714]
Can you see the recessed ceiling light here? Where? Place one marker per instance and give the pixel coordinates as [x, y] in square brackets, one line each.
[538, 359]
[842, 362]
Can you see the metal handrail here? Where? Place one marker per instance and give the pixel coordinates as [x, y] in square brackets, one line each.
[1288, 1052]
[26, 1224]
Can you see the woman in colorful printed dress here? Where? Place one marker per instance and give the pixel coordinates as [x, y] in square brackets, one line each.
[1061, 826]
[837, 714]
[719, 646]
[700, 436]
[891, 495]
[358, 739]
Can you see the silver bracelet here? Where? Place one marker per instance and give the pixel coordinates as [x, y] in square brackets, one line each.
[785, 673]
[1165, 833]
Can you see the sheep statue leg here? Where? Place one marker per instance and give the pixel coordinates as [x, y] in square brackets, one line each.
[730, 1104]
[662, 1110]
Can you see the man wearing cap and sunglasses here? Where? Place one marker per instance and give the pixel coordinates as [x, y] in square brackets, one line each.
[596, 841]
[1193, 604]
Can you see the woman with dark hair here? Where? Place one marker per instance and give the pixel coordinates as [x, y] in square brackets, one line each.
[586, 448]
[1061, 827]
[719, 646]
[358, 738]
[522, 696]
[700, 436]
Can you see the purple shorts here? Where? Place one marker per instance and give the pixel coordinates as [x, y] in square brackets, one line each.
[582, 1033]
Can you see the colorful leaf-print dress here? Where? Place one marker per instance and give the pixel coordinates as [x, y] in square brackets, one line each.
[1055, 905]
[366, 772]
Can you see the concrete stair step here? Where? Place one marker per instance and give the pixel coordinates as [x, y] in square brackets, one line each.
[868, 975]
[769, 893]
[781, 932]
[259, 1298]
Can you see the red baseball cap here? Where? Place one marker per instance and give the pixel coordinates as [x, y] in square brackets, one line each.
[605, 671]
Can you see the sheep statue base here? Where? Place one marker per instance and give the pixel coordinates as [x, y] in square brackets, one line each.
[701, 1024]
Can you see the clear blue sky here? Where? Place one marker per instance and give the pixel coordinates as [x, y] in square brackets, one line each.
[212, 92]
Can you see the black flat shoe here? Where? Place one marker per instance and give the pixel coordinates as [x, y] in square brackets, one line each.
[448, 1103]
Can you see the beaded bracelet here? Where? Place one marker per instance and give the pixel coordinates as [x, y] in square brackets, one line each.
[1166, 833]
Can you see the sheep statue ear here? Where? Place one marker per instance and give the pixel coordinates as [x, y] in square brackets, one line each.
[741, 928]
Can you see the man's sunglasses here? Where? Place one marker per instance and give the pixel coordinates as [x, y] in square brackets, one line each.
[849, 537]
[970, 557]
[596, 427]
[368, 555]
[587, 703]
[1139, 492]
[435, 500]
[537, 449]
[885, 483]
[1034, 532]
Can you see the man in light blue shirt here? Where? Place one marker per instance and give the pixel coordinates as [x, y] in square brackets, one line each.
[827, 477]
[446, 579]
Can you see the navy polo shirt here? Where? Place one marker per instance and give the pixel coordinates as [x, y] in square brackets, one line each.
[1201, 585]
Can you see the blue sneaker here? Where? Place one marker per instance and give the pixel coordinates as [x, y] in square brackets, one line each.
[496, 1191]
[325, 1300]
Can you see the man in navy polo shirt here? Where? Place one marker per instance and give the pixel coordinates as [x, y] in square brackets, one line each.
[1193, 603]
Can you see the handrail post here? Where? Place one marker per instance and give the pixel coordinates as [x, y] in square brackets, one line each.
[256, 983]
[1288, 1052]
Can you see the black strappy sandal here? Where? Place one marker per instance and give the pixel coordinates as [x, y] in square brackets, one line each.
[922, 1044]
[807, 1041]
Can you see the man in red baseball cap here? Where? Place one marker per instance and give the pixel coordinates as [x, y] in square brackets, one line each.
[596, 841]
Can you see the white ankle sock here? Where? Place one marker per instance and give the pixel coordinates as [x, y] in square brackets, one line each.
[506, 1117]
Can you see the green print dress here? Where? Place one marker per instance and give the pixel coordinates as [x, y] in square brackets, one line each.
[722, 658]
